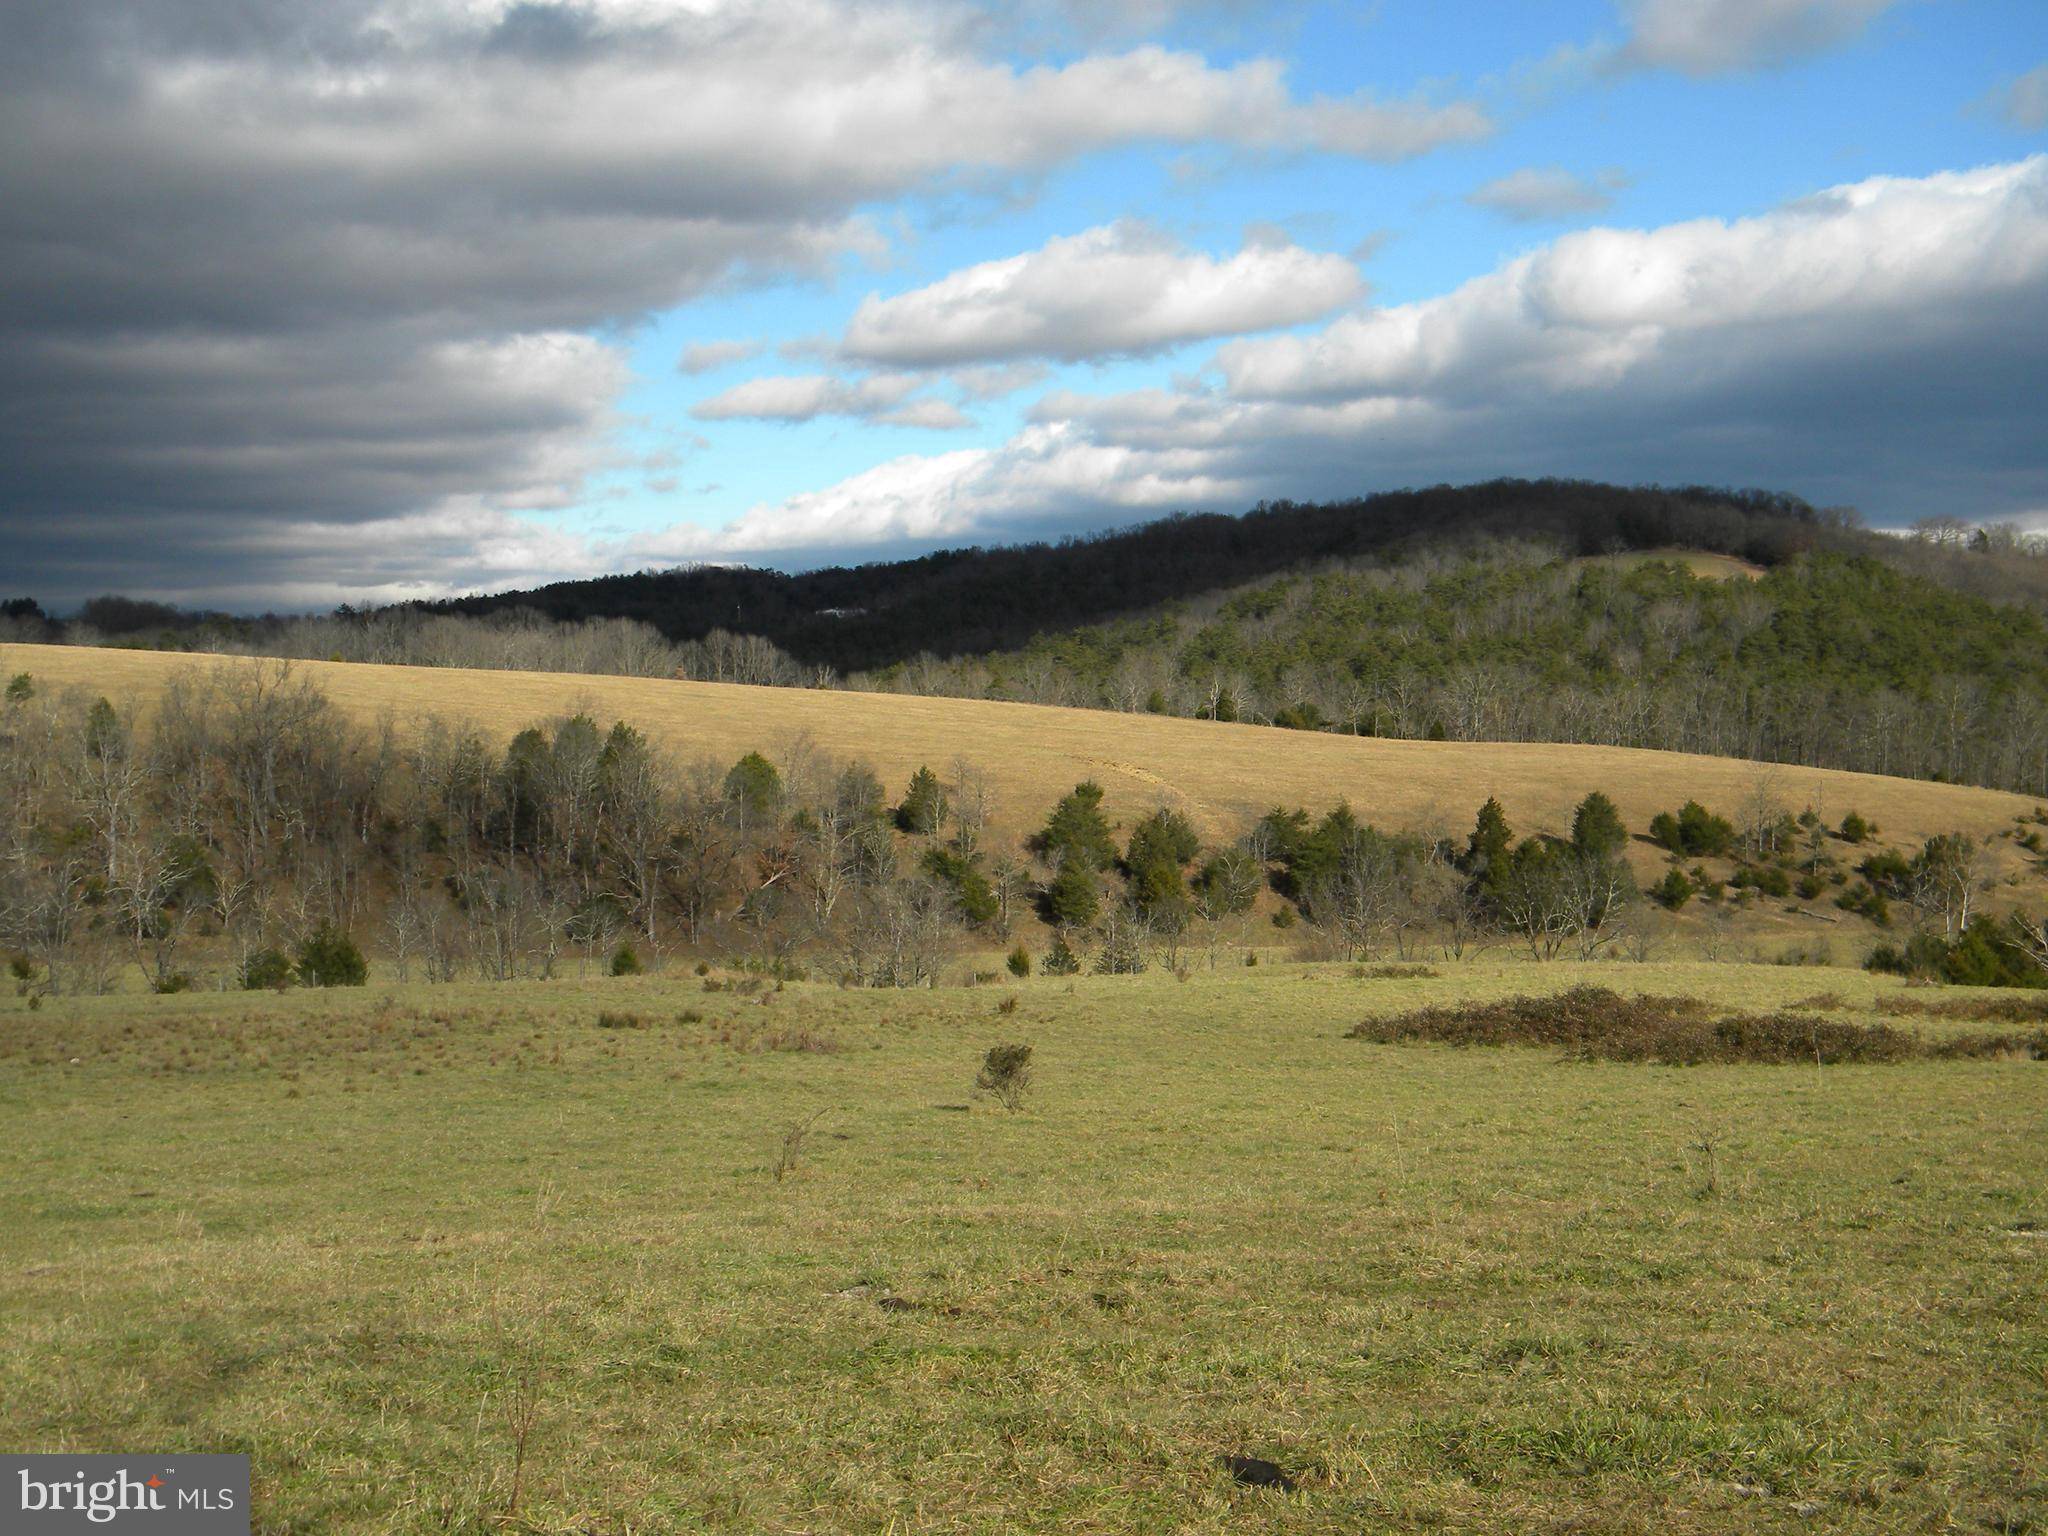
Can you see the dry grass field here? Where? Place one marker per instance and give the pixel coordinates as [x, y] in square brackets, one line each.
[518, 1259]
[1702, 563]
[1223, 776]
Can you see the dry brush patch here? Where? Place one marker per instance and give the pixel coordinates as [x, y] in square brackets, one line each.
[1592, 1022]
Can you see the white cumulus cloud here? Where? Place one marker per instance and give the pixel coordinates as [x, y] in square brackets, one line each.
[1118, 289]
[1883, 343]
[882, 397]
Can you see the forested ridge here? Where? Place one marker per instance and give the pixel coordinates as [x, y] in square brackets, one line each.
[1514, 610]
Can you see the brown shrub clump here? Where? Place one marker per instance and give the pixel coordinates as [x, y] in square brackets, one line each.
[2023, 1008]
[1593, 1023]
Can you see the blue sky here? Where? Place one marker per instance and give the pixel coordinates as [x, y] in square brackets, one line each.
[1905, 97]
[1254, 252]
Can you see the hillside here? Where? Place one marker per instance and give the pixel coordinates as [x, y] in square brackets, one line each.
[960, 602]
[1222, 775]
[1724, 624]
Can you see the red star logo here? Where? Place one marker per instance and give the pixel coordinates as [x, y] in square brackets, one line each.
[154, 1481]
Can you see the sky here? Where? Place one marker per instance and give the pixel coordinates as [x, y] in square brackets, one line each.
[313, 301]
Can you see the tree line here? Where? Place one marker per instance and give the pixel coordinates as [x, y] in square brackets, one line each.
[248, 827]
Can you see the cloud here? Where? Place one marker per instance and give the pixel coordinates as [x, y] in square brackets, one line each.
[997, 380]
[330, 255]
[2023, 103]
[1536, 195]
[1118, 289]
[1879, 343]
[883, 397]
[1714, 37]
[708, 356]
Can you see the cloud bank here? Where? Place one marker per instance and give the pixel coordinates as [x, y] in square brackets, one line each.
[308, 264]
[1878, 343]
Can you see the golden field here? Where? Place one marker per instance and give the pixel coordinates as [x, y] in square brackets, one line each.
[1223, 776]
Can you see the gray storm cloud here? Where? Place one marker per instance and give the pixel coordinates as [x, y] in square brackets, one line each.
[292, 266]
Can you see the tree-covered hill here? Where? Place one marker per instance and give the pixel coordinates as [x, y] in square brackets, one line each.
[1516, 610]
[960, 602]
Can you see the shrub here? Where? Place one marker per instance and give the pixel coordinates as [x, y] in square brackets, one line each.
[1888, 872]
[1694, 831]
[1019, 961]
[1060, 959]
[1811, 886]
[625, 962]
[20, 688]
[1766, 878]
[1005, 1075]
[1854, 828]
[177, 981]
[609, 1020]
[971, 894]
[1595, 1023]
[1985, 954]
[1283, 917]
[267, 969]
[1673, 891]
[1866, 901]
[329, 958]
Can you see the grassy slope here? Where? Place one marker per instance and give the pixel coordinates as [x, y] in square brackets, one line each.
[1702, 563]
[1483, 1291]
[1223, 775]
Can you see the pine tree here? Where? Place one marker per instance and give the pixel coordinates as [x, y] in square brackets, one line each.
[1598, 831]
[1072, 899]
[1076, 831]
[1487, 853]
[923, 810]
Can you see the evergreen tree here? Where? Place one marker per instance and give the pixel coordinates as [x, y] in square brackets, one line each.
[1072, 900]
[754, 786]
[923, 810]
[1165, 837]
[1076, 832]
[1597, 828]
[971, 893]
[1491, 844]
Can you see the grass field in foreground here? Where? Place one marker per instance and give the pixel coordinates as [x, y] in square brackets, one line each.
[365, 1236]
